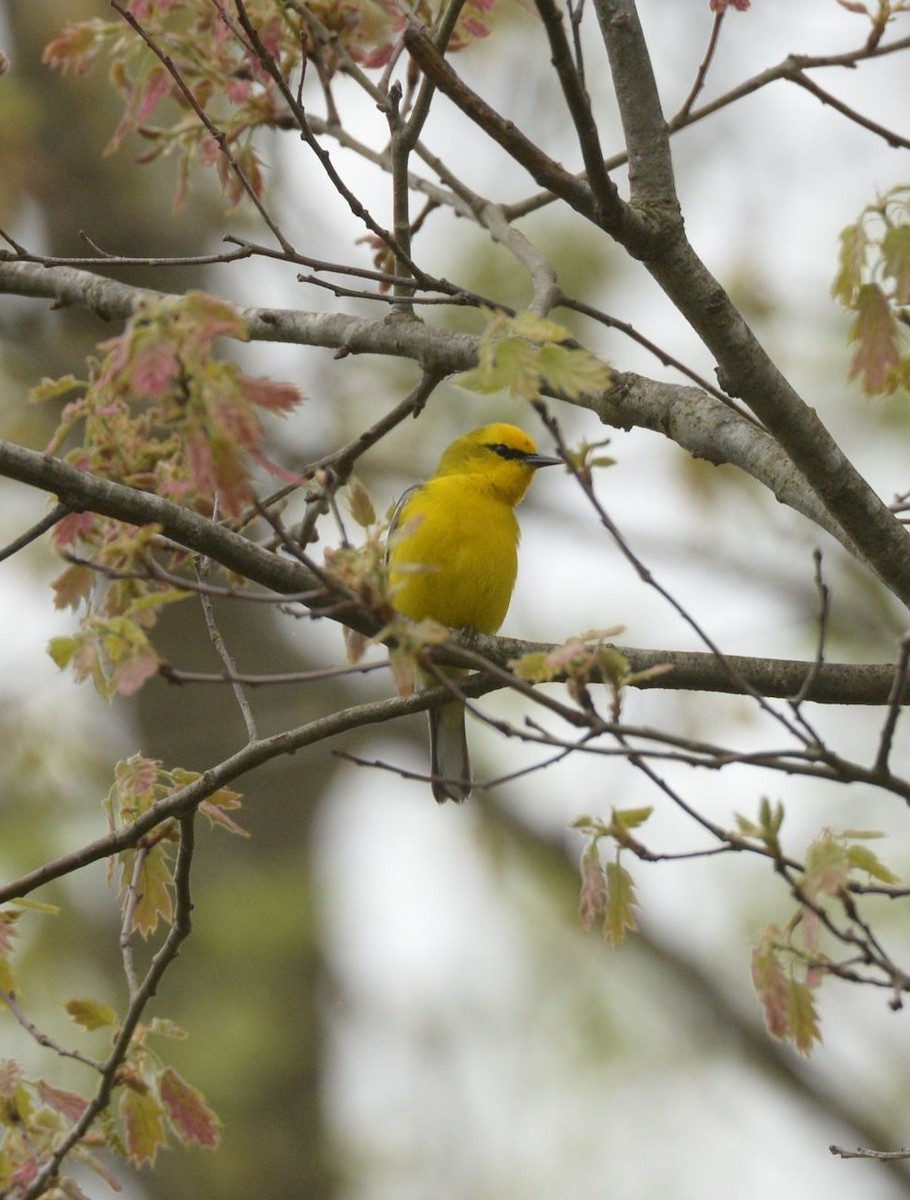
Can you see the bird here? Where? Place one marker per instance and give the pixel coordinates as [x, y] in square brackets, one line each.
[453, 558]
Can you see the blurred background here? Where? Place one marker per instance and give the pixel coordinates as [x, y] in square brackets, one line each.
[389, 999]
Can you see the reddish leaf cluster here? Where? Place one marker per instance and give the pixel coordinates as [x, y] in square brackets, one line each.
[788, 966]
[162, 413]
[147, 872]
[230, 82]
[873, 282]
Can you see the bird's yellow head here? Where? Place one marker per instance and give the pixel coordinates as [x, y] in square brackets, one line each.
[503, 456]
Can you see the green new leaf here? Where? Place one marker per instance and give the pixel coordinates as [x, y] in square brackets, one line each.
[827, 866]
[803, 1029]
[154, 888]
[61, 650]
[53, 389]
[573, 371]
[534, 667]
[90, 1014]
[852, 256]
[619, 909]
[896, 256]
[143, 1125]
[631, 818]
[360, 503]
[861, 858]
[746, 827]
[522, 354]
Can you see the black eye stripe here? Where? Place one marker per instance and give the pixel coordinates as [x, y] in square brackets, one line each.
[505, 451]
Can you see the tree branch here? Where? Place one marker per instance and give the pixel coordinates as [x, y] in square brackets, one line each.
[702, 426]
[834, 683]
[746, 370]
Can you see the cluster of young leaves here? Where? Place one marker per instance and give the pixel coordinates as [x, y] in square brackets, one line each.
[34, 1116]
[789, 964]
[146, 872]
[153, 1098]
[159, 412]
[362, 571]
[526, 354]
[228, 82]
[873, 281]
[879, 13]
[607, 889]
[583, 660]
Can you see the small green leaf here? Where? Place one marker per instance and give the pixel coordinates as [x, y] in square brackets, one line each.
[573, 371]
[360, 504]
[614, 666]
[619, 910]
[90, 1014]
[631, 818]
[746, 827]
[61, 650]
[853, 243]
[861, 858]
[896, 256]
[53, 389]
[534, 667]
[827, 866]
[143, 1125]
[803, 1028]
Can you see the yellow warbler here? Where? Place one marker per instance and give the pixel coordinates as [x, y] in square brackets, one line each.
[453, 557]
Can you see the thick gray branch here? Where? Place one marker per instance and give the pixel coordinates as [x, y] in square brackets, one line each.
[746, 370]
[689, 417]
[79, 490]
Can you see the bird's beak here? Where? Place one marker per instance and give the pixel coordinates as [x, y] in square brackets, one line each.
[541, 460]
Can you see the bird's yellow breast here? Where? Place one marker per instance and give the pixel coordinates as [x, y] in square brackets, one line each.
[454, 555]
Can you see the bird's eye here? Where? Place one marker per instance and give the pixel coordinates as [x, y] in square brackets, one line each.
[505, 451]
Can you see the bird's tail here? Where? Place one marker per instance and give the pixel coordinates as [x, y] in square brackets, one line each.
[450, 764]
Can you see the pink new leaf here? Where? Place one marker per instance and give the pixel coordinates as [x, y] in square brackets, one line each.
[266, 393]
[155, 368]
[68, 1104]
[593, 894]
[874, 332]
[771, 982]
[191, 1117]
[74, 51]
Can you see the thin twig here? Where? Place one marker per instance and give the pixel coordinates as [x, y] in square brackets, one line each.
[44, 1039]
[895, 703]
[213, 130]
[863, 1152]
[267, 60]
[648, 578]
[57, 513]
[177, 934]
[893, 139]
[821, 589]
[180, 677]
[662, 356]
[702, 73]
[132, 896]
[218, 642]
